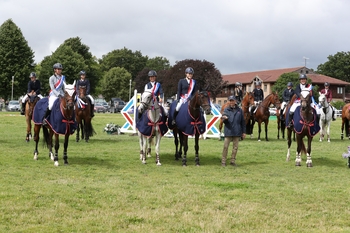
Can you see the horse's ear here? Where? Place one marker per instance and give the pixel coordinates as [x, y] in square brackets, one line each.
[74, 83]
[319, 93]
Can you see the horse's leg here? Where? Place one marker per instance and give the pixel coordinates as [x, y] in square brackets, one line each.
[78, 132]
[149, 144]
[308, 154]
[342, 129]
[144, 145]
[83, 129]
[299, 148]
[184, 143]
[289, 142]
[65, 149]
[278, 127]
[36, 140]
[158, 138]
[57, 146]
[196, 148]
[178, 154]
[328, 131]
[259, 130]
[266, 127]
[321, 131]
[141, 144]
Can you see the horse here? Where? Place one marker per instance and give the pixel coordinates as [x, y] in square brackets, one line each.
[305, 124]
[326, 117]
[281, 119]
[152, 124]
[248, 100]
[345, 115]
[83, 115]
[189, 122]
[29, 107]
[60, 121]
[262, 113]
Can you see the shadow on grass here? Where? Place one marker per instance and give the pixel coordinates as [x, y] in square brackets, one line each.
[96, 161]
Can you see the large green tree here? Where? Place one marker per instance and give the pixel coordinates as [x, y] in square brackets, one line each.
[74, 56]
[133, 62]
[158, 63]
[115, 83]
[16, 59]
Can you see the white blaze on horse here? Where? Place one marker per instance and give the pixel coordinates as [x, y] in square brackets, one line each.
[326, 117]
[151, 124]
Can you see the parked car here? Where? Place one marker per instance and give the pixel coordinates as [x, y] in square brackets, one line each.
[114, 102]
[118, 106]
[99, 108]
[106, 105]
[272, 111]
[13, 106]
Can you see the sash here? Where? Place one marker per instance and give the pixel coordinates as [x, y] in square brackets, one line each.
[155, 88]
[189, 91]
[58, 84]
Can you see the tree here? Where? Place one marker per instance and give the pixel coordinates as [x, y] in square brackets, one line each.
[207, 76]
[133, 62]
[74, 56]
[16, 59]
[158, 63]
[116, 83]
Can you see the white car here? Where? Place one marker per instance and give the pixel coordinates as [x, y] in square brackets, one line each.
[13, 106]
[272, 111]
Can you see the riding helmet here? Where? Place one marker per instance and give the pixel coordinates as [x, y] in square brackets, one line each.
[232, 97]
[57, 66]
[82, 72]
[238, 84]
[302, 76]
[290, 84]
[326, 84]
[189, 70]
[33, 74]
[152, 73]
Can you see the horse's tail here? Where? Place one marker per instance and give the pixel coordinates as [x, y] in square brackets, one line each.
[89, 129]
[46, 136]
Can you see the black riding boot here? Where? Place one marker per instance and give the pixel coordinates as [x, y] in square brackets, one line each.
[47, 113]
[24, 108]
[281, 114]
[290, 120]
[333, 117]
[92, 110]
[174, 119]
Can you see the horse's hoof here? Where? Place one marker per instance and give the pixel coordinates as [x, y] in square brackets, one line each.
[143, 162]
[159, 164]
[56, 164]
[35, 157]
[197, 165]
[309, 165]
[297, 164]
[184, 165]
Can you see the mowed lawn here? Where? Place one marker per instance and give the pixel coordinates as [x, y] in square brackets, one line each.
[106, 188]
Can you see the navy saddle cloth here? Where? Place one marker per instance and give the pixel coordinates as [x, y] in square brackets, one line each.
[57, 122]
[145, 126]
[185, 122]
[299, 123]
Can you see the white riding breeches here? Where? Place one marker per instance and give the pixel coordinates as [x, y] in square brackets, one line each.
[178, 106]
[52, 99]
[92, 99]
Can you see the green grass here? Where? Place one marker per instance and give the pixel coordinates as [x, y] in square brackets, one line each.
[106, 188]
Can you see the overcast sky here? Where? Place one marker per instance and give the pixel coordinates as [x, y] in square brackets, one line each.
[236, 35]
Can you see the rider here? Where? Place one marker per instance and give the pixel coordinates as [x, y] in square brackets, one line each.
[185, 90]
[258, 96]
[238, 92]
[328, 93]
[56, 82]
[33, 85]
[286, 96]
[155, 87]
[85, 82]
[302, 85]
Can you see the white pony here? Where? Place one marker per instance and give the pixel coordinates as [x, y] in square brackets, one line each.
[150, 106]
[326, 116]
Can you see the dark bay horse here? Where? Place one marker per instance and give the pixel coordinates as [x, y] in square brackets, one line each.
[248, 100]
[65, 119]
[192, 117]
[305, 125]
[281, 119]
[345, 116]
[29, 107]
[83, 115]
[262, 113]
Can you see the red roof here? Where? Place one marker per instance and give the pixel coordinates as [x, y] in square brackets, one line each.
[271, 76]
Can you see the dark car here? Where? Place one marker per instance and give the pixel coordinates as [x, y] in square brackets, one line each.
[99, 108]
[118, 106]
[106, 105]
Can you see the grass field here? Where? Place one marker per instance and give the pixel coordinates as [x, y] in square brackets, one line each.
[105, 188]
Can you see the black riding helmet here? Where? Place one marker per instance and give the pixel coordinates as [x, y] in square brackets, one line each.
[152, 73]
[33, 74]
[57, 66]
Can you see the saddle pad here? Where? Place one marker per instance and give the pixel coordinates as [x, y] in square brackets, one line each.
[299, 123]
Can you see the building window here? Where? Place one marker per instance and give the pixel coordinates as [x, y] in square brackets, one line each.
[339, 90]
[231, 89]
[219, 102]
[265, 88]
[225, 90]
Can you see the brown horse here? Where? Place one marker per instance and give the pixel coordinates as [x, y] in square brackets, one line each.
[345, 115]
[29, 107]
[83, 115]
[262, 113]
[198, 101]
[248, 100]
[303, 127]
[66, 107]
